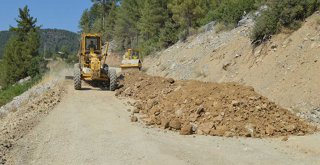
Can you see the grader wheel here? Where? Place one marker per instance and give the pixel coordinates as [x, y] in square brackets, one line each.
[113, 79]
[77, 77]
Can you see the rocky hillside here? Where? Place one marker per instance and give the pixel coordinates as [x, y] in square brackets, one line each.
[284, 69]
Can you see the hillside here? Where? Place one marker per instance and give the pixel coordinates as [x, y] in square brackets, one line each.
[283, 69]
[52, 40]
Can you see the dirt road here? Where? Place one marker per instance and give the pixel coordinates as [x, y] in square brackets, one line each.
[93, 127]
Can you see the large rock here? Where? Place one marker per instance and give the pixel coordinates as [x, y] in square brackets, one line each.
[175, 124]
[186, 130]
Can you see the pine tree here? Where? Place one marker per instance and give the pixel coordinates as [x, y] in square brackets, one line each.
[188, 13]
[84, 23]
[126, 32]
[153, 16]
[21, 57]
[111, 21]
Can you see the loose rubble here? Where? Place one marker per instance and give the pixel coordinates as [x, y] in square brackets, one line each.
[24, 112]
[194, 107]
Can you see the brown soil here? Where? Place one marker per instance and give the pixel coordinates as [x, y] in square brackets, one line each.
[225, 109]
[283, 69]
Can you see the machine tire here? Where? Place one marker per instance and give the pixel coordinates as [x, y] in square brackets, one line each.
[113, 79]
[77, 77]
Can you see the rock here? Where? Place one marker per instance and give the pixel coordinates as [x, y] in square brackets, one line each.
[175, 124]
[136, 110]
[220, 130]
[178, 113]
[218, 118]
[200, 110]
[152, 103]
[134, 119]
[198, 102]
[274, 46]
[164, 123]
[286, 138]
[193, 117]
[270, 130]
[170, 80]
[228, 134]
[205, 128]
[235, 103]
[186, 130]
[290, 127]
[24, 80]
[138, 105]
[250, 128]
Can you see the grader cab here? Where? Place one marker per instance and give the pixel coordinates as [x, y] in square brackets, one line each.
[92, 66]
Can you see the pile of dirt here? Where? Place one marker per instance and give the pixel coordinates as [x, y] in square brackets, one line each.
[194, 107]
[282, 69]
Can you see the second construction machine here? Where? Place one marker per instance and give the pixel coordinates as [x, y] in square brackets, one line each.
[131, 60]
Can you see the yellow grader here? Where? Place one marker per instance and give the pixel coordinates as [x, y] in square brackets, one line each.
[92, 66]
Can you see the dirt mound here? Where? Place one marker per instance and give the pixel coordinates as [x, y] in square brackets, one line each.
[282, 69]
[208, 108]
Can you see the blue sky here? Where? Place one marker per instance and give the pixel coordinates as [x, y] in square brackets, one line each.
[60, 14]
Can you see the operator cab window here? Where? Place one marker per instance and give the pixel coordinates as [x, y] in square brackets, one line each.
[92, 43]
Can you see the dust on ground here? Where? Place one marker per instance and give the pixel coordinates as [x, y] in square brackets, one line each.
[24, 112]
[226, 109]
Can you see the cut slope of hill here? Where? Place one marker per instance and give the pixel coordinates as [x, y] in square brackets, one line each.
[52, 40]
[283, 69]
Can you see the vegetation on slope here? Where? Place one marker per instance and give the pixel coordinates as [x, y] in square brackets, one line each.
[21, 57]
[283, 14]
[155, 24]
[51, 41]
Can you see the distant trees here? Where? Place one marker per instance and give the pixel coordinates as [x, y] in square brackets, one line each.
[21, 56]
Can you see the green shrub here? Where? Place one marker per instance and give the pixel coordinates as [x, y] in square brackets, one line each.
[7, 94]
[266, 25]
[285, 13]
[231, 11]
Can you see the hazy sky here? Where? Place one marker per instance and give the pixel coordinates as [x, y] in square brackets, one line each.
[60, 14]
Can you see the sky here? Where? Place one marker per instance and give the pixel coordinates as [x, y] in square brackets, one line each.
[59, 14]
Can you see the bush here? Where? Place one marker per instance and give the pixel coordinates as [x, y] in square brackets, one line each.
[231, 11]
[266, 25]
[7, 94]
[285, 13]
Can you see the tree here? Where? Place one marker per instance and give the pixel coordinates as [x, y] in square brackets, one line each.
[21, 57]
[126, 32]
[111, 21]
[188, 13]
[84, 24]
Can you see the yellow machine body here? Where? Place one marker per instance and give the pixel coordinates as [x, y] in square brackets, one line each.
[131, 60]
[92, 59]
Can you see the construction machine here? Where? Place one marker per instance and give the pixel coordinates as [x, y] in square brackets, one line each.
[92, 66]
[131, 60]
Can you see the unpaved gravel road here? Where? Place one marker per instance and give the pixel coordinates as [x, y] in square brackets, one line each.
[93, 127]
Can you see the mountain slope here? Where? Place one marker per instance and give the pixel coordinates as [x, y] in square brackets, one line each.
[52, 41]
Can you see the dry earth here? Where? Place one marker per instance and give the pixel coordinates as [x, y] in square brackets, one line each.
[93, 127]
[285, 69]
[214, 109]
